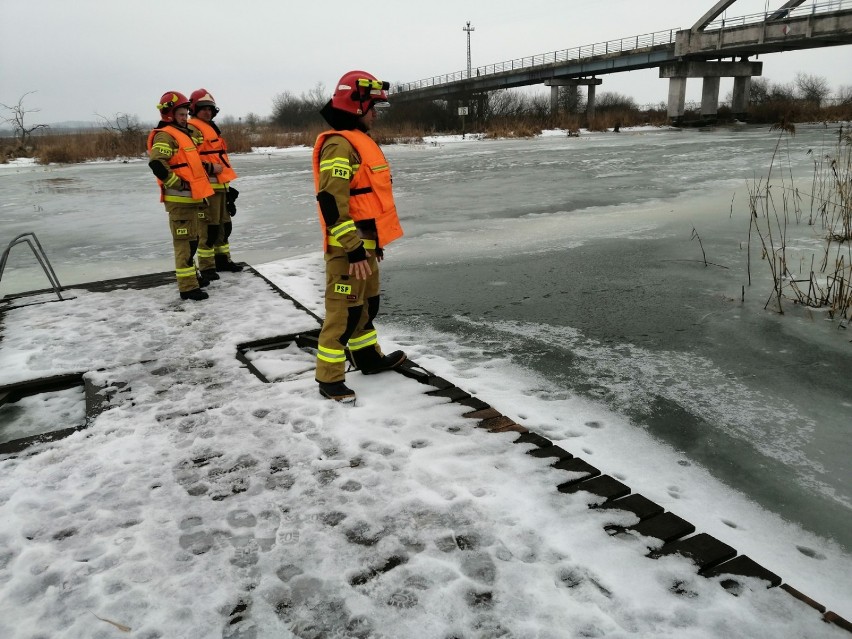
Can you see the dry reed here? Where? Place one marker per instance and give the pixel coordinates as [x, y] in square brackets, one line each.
[825, 280]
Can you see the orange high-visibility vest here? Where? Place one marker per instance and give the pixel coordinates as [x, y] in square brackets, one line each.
[370, 189]
[214, 149]
[186, 164]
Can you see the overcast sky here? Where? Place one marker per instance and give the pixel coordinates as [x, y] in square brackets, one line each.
[83, 57]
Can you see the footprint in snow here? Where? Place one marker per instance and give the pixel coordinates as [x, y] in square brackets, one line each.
[810, 552]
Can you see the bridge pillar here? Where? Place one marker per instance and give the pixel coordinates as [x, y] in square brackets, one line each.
[555, 83]
[710, 97]
[739, 101]
[678, 72]
[677, 98]
[590, 103]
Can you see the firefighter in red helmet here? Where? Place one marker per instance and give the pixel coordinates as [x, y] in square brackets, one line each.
[358, 218]
[184, 186]
[214, 253]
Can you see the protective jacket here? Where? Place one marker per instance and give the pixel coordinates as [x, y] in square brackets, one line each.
[214, 150]
[185, 163]
[370, 190]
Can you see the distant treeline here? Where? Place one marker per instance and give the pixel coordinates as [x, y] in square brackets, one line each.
[295, 119]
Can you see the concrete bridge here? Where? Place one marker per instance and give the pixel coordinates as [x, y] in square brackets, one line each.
[697, 52]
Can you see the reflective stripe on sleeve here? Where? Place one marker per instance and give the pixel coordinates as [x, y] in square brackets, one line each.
[163, 148]
[368, 244]
[341, 229]
[339, 167]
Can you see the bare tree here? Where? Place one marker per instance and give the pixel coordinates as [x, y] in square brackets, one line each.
[758, 92]
[813, 88]
[123, 134]
[781, 92]
[290, 110]
[253, 121]
[569, 99]
[17, 118]
[121, 123]
[611, 101]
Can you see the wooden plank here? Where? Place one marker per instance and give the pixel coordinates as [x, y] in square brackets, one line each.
[439, 382]
[665, 526]
[703, 549]
[837, 620]
[533, 438]
[410, 368]
[577, 465]
[484, 413]
[41, 385]
[803, 597]
[637, 504]
[603, 486]
[495, 423]
[17, 445]
[550, 451]
[744, 566]
[454, 394]
[474, 403]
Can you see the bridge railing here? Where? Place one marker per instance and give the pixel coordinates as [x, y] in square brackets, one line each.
[796, 12]
[645, 41]
[621, 45]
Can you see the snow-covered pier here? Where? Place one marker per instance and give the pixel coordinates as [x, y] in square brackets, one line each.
[168, 469]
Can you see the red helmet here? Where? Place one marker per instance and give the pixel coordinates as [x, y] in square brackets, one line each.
[170, 101]
[200, 98]
[358, 91]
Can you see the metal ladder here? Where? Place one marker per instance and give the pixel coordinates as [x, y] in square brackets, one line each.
[40, 255]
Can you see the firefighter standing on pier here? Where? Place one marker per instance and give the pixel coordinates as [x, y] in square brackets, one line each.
[358, 219]
[214, 253]
[184, 187]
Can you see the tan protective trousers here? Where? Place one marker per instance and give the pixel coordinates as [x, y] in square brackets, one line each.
[221, 247]
[184, 221]
[350, 306]
[207, 236]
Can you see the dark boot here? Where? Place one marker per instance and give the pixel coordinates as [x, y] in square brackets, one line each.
[195, 294]
[202, 281]
[338, 391]
[370, 362]
[210, 274]
[224, 263]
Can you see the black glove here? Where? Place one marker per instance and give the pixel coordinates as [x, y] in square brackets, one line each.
[230, 198]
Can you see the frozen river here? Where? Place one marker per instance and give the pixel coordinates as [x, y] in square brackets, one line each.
[572, 258]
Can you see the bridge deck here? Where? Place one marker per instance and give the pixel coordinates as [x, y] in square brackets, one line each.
[814, 26]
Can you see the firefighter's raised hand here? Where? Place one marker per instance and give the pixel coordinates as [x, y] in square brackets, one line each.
[361, 270]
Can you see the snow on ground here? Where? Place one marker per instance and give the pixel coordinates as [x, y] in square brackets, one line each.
[18, 163]
[205, 503]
